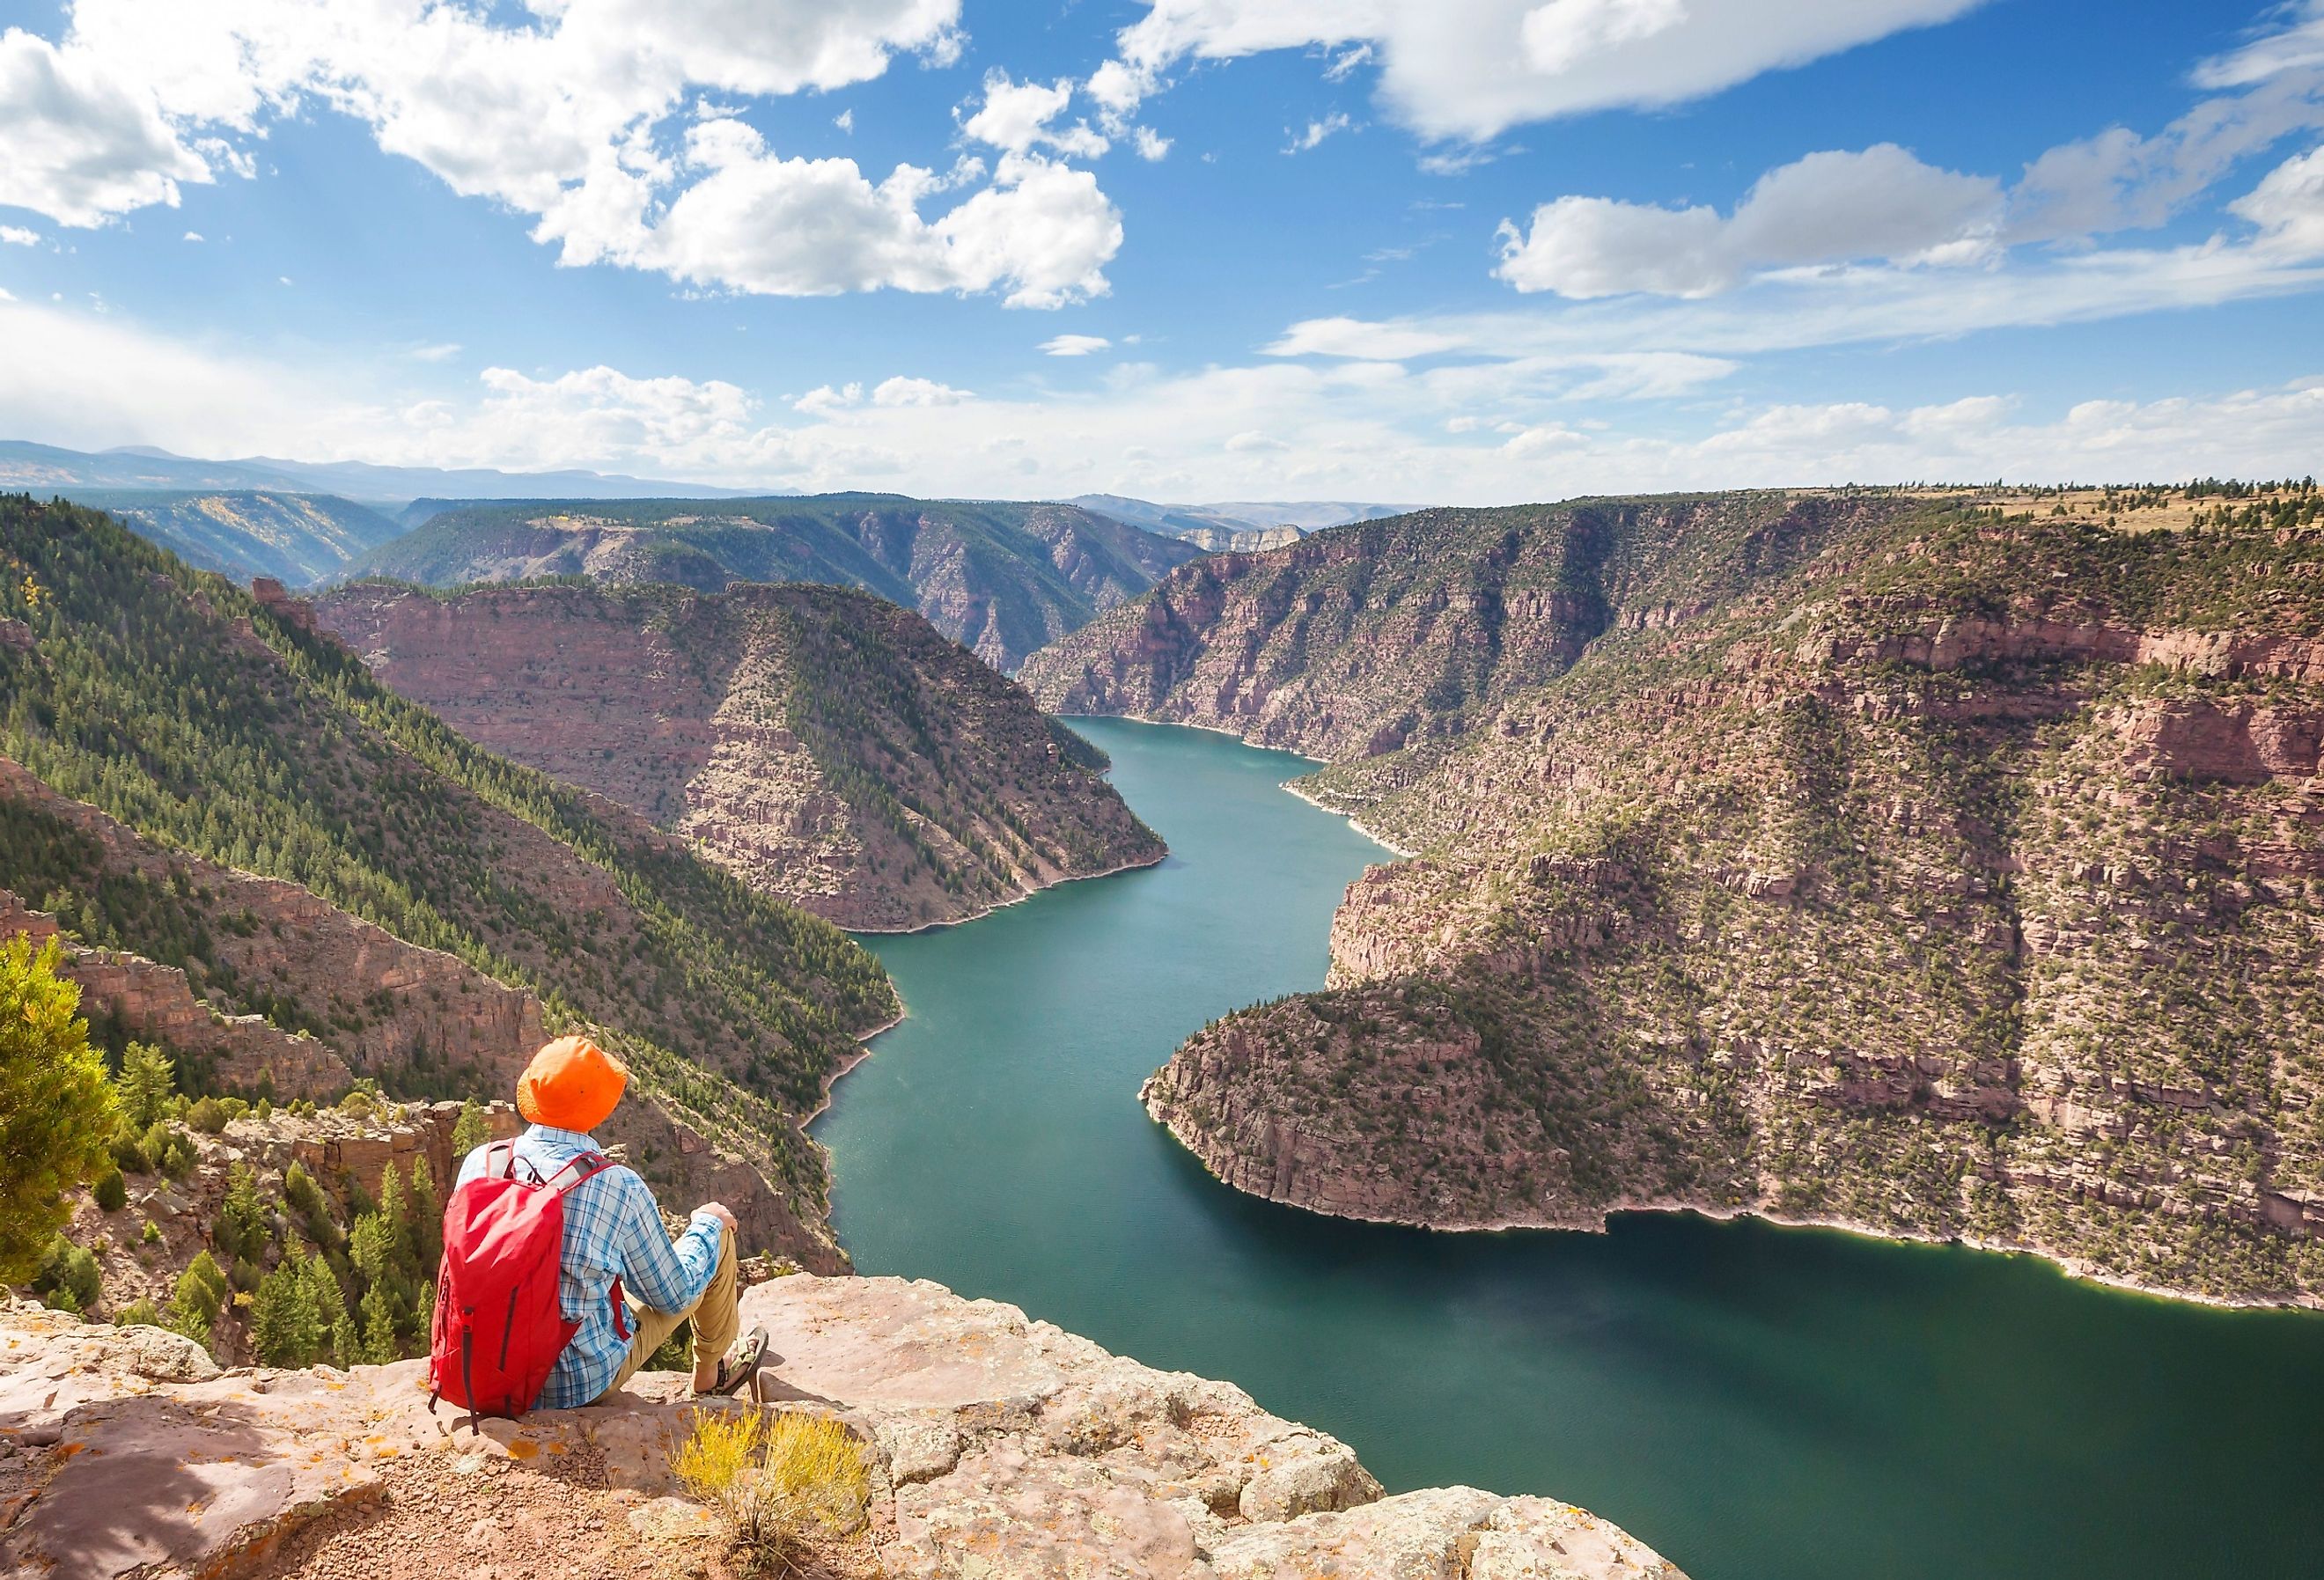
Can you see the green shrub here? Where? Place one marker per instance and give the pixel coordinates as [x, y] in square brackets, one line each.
[200, 1295]
[179, 1158]
[70, 1272]
[128, 1156]
[208, 1116]
[57, 1109]
[139, 1312]
[112, 1192]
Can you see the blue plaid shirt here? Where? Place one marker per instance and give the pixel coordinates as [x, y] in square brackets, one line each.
[613, 1230]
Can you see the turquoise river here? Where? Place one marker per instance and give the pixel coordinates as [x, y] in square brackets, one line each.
[1760, 1403]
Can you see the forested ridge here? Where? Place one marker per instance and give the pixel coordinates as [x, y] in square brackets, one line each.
[828, 746]
[201, 718]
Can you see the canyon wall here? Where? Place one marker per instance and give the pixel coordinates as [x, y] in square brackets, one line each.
[1877, 862]
[830, 749]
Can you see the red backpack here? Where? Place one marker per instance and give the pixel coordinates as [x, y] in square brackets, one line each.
[499, 1323]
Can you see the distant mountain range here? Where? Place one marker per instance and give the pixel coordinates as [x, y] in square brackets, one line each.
[998, 577]
[1241, 527]
[297, 539]
[46, 468]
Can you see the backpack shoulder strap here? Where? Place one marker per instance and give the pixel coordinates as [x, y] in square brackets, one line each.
[583, 1167]
[500, 1160]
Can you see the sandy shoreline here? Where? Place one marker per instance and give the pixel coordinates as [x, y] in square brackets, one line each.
[1355, 823]
[929, 926]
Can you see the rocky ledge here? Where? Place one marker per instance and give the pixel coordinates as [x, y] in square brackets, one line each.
[999, 1446]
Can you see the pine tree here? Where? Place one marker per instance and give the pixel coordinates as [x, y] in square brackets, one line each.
[244, 1226]
[396, 1210]
[427, 1218]
[329, 1302]
[285, 1329]
[379, 1344]
[57, 1109]
[147, 1082]
[198, 1297]
[471, 1130]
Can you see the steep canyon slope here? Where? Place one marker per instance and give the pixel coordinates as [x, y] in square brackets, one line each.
[998, 578]
[1856, 858]
[826, 746]
[208, 784]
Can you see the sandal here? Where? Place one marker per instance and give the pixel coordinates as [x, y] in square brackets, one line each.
[741, 1364]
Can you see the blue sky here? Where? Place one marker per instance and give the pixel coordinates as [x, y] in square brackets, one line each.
[1465, 250]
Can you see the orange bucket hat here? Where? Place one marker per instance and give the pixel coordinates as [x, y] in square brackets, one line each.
[571, 1084]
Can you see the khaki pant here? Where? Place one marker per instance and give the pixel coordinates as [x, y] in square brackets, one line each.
[717, 1320]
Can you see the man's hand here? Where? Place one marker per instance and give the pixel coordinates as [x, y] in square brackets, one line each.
[724, 1213]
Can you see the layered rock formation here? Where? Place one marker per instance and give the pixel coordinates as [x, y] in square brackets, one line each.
[998, 1447]
[156, 1003]
[1857, 859]
[1363, 639]
[827, 747]
[998, 578]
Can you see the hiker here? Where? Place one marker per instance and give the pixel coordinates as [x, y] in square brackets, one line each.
[512, 1332]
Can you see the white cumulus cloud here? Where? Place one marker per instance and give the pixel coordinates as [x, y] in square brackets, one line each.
[1072, 345]
[1477, 70]
[1827, 207]
[571, 114]
[1359, 338]
[79, 142]
[913, 392]
[1016, 117]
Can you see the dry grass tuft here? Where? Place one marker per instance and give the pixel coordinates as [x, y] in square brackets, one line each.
[779, 1482]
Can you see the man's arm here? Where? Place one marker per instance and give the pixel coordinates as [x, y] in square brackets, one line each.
[663, 1274]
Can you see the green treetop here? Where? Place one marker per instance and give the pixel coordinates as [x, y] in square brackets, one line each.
[57, 1109]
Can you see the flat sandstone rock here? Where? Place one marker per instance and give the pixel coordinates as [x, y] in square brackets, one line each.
[1000, 1447]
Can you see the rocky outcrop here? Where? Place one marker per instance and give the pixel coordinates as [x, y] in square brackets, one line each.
[998, 1445]
[829, 748]
[1239, 541]
[345, 1150]
[378, 1005]
[1879, 863]
[998, 578]
[155, 1003]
